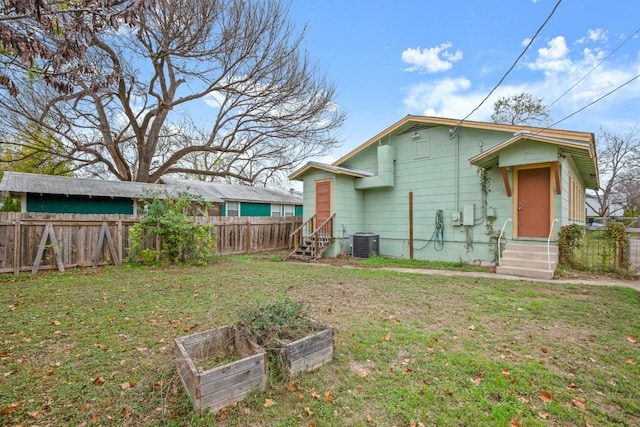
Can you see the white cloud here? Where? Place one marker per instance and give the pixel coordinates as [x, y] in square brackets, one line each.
[554, 57]
[430, 60]
[526, 41]
[595, 35]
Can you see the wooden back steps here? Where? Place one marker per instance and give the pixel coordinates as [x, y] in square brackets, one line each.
[310, 243]
[529, 259]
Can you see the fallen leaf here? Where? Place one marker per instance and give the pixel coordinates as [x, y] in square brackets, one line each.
[314, 394]
[477, 381]
[369, 419]
[632, 340]
[387, 337]
[407, 371]
[543, 415]
[127, 385]
[579, 402]
[328, 397]
[9, 409]
[630, 361]
[545, 396]
[472, 328]
[56, 323]
[515, 423]
[292, 387]
[545, 349]
[599, 393]
[308, 411]
[268, 403]
[99, 381]
[505, 372]
[223, 414]
[365, 373]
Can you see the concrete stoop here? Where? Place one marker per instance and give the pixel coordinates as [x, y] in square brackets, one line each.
[528, 260]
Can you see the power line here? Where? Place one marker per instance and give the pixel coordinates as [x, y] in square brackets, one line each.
[590, 104]
[593, 69]
[514, 63]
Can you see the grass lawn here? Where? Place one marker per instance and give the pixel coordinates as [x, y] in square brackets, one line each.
[91, 347]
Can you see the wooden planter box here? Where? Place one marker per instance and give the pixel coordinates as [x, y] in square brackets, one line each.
[308, 353]
[219, 386]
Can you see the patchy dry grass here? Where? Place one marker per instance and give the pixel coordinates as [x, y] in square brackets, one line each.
[95, 348]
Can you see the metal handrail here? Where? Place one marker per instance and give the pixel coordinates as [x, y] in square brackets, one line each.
[549, 243]
[500, 237]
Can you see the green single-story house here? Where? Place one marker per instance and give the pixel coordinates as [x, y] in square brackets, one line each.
[245, 200]
[60, 194]
[440, 189]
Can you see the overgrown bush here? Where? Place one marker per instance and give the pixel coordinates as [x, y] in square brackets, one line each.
[181, 241]
[570, 239]
[271, 323]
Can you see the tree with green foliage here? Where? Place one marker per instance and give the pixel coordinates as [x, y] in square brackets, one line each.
[520, 109]
[181, 240]
[10, 205]
[35, 151]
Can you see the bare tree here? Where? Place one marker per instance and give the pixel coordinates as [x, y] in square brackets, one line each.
[48, 39]
[618, 157]
[628, 191]
[214, 88]
[520, 109]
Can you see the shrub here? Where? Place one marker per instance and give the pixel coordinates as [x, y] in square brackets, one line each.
[181, 240]
[571, 238]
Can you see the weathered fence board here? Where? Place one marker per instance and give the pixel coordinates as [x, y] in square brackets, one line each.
[92, 240]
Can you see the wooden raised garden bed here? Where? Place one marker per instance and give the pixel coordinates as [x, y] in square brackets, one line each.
[218, 367]
[310, 352]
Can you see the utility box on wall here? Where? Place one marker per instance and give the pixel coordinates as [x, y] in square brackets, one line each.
[467, 214]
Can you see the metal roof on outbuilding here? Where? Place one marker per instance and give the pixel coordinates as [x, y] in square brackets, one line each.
[239, 192]
[18, 182]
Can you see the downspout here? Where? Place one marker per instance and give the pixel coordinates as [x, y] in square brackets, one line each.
[385, 176]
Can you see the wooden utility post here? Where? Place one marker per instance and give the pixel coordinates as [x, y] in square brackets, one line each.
[410, 224]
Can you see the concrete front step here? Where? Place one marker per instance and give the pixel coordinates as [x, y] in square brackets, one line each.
[525, 272]
[536, 264]
[528, 260]
[531, 248]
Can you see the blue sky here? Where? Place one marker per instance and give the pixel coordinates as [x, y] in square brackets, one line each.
[441, 58]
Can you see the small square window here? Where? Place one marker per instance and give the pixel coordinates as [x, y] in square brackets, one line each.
[276, 210]
[233, 208]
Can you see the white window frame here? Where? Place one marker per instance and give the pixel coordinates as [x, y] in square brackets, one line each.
[288, 210]
[276, 209]
[228, 207]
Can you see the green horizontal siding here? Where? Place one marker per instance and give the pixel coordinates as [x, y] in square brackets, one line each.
[51, 203]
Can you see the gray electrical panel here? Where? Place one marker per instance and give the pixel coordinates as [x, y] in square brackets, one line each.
[467, 214]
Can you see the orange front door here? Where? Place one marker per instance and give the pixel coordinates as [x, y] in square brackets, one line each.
[323, 201]
[534, 202]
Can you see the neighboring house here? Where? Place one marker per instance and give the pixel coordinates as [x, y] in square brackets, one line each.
[61, 194]
[58, 194]
[419, 189]
[615, 209]
[245, 200]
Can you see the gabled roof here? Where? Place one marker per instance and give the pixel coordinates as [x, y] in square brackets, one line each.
[18, 182]
[239, 192]
[356, 173]
[582, 152]
[410, 124]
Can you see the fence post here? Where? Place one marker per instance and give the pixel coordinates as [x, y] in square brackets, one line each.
[248, 245]
[17, 240]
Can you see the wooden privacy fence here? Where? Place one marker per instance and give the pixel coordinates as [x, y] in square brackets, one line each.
[32, 242]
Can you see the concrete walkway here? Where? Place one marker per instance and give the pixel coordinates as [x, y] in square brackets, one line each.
[634, 284]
